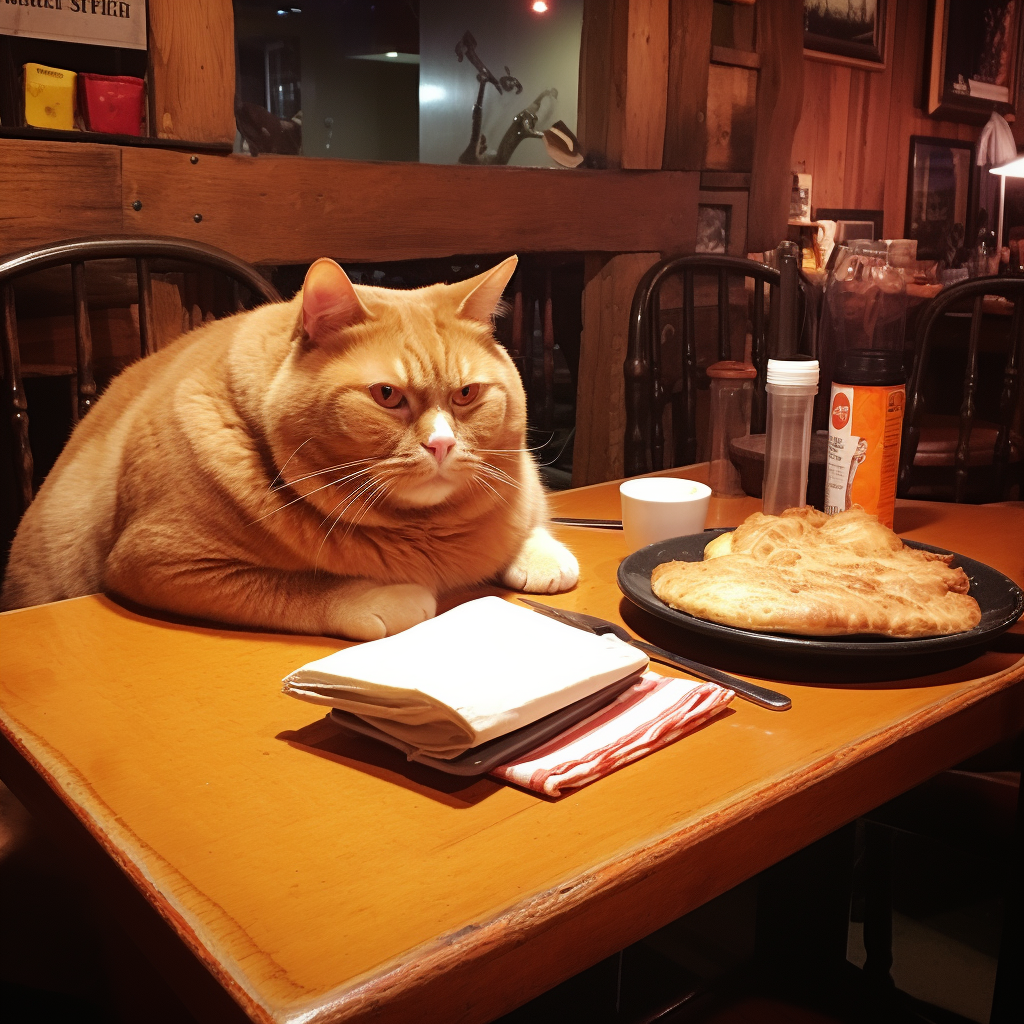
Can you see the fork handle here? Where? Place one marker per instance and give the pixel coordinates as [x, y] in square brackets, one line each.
[771, 699]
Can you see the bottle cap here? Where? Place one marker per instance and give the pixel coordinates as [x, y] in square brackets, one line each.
[731, 369]
[793, 371]
[870, 366]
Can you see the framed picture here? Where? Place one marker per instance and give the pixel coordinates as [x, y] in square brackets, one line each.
[939, 196]
[975, 59]
[722, 222]
[848, 32]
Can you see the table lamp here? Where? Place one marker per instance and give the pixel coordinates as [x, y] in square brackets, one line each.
[1014, 169]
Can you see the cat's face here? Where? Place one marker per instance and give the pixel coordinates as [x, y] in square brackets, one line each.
[406, 394]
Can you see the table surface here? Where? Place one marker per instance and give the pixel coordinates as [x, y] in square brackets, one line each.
[320, 877]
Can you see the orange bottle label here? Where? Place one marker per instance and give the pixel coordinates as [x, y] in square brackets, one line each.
[864, 430]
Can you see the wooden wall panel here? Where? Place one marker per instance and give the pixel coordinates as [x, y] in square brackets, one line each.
[192, 98]
[57, 190]
[293, 210]
[855, 126]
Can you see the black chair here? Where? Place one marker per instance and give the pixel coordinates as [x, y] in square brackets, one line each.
[964, 456]
[647, 393]
[150, 255]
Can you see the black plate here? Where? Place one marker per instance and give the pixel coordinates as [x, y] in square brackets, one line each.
[1000, 599]
[502, 749]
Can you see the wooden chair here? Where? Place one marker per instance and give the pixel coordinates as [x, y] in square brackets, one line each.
[204, 296]
[965, 457]
[647, 390]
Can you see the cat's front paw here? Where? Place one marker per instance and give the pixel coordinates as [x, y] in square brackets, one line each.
[385, 610]
[543, 566]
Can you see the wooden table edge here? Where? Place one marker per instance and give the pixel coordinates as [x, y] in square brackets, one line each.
[516, 924]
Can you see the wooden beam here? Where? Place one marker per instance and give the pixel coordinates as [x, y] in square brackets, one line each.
[293, 210]
[647, 45]
[598, 452]
[58, 190]
[780, 90]
[602, 85]
[192, 70]
[686, 113]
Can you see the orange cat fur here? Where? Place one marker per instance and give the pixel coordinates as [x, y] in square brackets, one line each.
[330, 464]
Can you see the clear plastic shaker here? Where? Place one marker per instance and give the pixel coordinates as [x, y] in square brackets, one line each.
[732, 389]
[791, 387]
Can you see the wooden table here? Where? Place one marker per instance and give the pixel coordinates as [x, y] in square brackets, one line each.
[278, 869]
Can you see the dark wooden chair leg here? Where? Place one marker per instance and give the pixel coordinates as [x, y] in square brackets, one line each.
[878, 904]
[1008, 998]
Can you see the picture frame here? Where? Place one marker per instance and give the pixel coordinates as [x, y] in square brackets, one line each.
[940, 196]
[832, 33]
[975, 60]
[721, 222]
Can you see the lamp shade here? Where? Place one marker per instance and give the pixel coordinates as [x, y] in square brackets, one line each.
[1014, 169]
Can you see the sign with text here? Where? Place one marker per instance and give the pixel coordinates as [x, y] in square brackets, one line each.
[100, 22]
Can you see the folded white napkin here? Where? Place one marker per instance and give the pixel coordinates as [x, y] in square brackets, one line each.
[479, 671]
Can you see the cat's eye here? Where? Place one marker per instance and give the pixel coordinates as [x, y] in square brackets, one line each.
[387, 395]
[467, 394]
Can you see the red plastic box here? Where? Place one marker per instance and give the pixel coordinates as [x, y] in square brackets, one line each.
[111, 103]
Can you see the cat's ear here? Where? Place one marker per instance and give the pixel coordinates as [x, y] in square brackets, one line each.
[329, 301]
[481, 295]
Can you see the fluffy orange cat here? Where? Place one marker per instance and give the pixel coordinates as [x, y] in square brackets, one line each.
[326, 465]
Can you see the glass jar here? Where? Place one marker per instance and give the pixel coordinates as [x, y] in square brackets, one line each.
[732, 389]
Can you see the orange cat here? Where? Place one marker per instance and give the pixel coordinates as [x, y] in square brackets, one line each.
[326, 465]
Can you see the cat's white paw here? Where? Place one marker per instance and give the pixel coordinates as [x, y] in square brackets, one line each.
[385, 610]
[543, 566]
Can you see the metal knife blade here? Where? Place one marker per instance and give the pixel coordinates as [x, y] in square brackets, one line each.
[761, 695]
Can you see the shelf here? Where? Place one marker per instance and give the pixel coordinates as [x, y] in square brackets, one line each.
[140, 141]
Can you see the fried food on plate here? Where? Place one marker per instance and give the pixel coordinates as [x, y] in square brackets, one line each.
[807, 573]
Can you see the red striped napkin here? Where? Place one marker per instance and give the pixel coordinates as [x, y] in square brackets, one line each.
[648, 716]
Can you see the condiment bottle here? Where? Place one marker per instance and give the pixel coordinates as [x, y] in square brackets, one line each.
[732, 389]
[791, 385]
[865, 422]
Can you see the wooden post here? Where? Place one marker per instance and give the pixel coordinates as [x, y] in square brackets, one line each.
[780, 93]
[192, 70]
[688, 61]
[600, 400]
[623, 82]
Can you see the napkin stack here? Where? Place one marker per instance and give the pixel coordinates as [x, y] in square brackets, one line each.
[479, 671]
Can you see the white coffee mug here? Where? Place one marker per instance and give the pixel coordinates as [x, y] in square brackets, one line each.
[658, 507]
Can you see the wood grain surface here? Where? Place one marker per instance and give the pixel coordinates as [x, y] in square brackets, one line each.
[307, 208]
[192, 70]
[321, 878]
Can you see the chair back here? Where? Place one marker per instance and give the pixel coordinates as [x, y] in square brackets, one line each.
[645, 393]
[74, 254]
[967, 297]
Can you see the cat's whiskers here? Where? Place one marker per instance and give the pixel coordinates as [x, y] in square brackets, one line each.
[374, 488]
[285, 466]
[320, 472]
[493, 490]
[302, 497]
[498, 474]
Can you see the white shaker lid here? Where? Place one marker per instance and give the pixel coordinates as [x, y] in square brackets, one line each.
[793, 371]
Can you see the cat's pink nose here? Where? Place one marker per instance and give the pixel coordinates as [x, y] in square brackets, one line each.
[440, 445]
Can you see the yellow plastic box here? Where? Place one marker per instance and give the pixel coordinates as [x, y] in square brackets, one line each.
[49, 97]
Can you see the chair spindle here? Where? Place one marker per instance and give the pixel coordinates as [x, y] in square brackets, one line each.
[758, 356]
[963, 445]
[86, 393]
[549, 356]
[145, 306]
[19, 402]
[689, 349]
[724, 344]
[1001, 454]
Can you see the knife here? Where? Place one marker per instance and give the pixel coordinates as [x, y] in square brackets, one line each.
[596, 524]
[771, 699]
